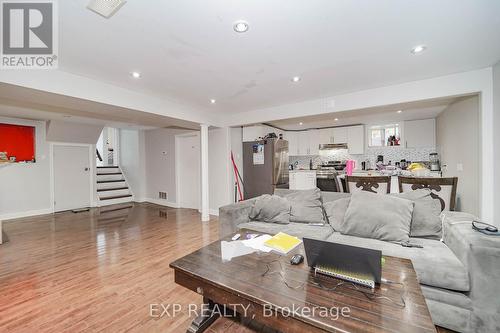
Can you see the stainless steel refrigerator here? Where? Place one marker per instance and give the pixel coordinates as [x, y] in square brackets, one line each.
[265, 166]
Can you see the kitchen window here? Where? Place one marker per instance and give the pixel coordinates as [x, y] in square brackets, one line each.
[384, 135]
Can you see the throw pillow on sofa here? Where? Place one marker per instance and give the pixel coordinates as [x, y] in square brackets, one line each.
[426, 221]
[306, 206]
[271, 208]
[378, 216]
[335, 212]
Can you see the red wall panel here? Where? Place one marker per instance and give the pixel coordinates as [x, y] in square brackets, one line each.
[18, 141]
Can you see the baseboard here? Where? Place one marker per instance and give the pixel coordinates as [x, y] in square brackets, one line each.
[214, 212]
[25, 214]
[161, 202]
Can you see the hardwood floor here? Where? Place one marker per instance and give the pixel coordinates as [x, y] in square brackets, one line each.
[99, 271]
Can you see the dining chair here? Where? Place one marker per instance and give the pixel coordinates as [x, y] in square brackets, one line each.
[375, 184]
[442, 189]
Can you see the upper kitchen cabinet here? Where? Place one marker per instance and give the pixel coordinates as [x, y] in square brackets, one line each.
[293, 142]
[340, 134]
[356, 139]
[303, 143]
[420, 133]
[314, 142]
[332, 135]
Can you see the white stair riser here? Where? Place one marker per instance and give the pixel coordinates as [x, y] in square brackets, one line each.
[112, 193]
[108, 170]
[115, 201]
[109, 177]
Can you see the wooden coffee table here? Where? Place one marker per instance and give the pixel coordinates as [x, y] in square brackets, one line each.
[291, 299]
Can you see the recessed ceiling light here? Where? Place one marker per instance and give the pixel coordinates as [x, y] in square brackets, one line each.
[418, 49]
[399, 111]
[296, 79]
[212, 101]
[336, 119]
[301, 123]
[136, 75]
[240, 26]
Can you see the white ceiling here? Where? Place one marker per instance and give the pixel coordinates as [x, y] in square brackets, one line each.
[186, 50]
[379, 115]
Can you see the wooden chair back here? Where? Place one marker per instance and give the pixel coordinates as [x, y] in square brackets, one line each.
[442, 189]
[376, 184]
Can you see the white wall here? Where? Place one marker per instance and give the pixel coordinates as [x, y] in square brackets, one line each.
[496, 103]
[132, 161]
[26, 187]
[458, 144]
[160, 164]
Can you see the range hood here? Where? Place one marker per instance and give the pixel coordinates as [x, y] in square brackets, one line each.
[330, 146]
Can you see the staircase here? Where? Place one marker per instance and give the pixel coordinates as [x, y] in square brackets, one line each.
[112, 188]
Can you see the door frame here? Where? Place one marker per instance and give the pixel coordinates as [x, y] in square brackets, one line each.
[178, 190]
[92, 166]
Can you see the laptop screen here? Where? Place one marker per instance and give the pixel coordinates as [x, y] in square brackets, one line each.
[350, 260]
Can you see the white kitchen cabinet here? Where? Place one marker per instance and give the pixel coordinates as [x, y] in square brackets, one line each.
[303, 143]
[302, 180]
[314, 142]
[356, 139]
[325, 135]
[293, 142]
[420, 133]
[340, 134]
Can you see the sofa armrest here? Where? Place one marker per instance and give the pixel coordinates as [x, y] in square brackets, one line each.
[480, 254]
[231, 216]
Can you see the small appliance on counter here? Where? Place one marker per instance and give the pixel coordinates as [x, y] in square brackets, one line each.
[434, 164]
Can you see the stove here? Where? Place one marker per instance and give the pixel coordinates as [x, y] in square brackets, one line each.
[326, 176]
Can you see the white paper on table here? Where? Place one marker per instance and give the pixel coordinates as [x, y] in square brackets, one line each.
[257, 243]
[230, 250]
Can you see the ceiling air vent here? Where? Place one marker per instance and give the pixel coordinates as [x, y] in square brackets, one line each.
[105, 8]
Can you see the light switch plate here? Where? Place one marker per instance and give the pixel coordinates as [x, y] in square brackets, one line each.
[460, 167]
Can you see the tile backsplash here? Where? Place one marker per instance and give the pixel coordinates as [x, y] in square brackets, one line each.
[393, 154]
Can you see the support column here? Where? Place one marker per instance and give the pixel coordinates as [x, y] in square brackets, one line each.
[205, 216]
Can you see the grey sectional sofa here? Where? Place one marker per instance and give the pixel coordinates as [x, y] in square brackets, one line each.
[460, 277]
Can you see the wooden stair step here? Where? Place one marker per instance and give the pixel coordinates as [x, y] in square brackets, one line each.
[107, 167]
[112, 189]
[109, 173]
[110, 181]
[116, 197]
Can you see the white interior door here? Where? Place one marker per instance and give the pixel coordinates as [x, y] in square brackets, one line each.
[71, 177]
[189, 171]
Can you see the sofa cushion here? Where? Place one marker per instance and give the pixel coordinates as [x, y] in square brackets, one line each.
[436, 265]
[270, 208]
[335, 212]
[425, 221]
[378, 216]
[300, 230]
[306, 206]
[450, 297]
